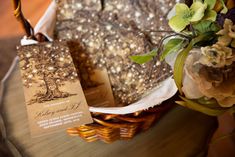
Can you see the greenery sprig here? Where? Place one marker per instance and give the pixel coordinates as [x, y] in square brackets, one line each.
[194, 26]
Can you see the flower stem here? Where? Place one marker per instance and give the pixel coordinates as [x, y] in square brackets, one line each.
[161, 45]
[192, 29]
[180, 60]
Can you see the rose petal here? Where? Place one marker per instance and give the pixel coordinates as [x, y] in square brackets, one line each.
[190, 88]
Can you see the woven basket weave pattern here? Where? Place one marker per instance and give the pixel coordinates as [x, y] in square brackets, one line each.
[111, 127]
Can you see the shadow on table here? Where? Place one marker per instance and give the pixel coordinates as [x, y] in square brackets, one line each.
[7, 53]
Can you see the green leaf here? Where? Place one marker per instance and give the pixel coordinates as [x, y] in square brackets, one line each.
[141, 59]
[210, 102]
[210, 15]
[177, 23]
[206, 26]
[172, 45]
[225, 9]
[201, 108]
[181, 19]
[181, 9]
[210, 3]
[198, 9]
[179, 66]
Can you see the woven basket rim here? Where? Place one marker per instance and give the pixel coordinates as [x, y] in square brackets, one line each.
[166, 90]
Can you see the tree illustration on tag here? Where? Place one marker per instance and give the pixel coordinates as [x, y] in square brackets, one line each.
[51, 69]
[53, 93]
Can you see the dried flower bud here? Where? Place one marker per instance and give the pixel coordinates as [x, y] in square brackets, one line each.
[217, 56]
[227, 34]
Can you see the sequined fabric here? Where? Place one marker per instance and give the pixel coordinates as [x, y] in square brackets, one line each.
[113, 30]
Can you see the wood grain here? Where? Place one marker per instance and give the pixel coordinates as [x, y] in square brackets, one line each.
[181, 133]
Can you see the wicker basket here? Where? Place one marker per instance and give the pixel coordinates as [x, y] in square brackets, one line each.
[112, 127]
[106, 127]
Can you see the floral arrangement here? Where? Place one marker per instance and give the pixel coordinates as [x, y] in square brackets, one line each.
[201, 51]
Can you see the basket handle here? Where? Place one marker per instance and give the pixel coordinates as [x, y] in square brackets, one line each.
[20, 17]
[25, 24]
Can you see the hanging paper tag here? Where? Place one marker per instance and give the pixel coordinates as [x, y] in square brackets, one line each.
[100, 95]
[93, 75]
[53, 93]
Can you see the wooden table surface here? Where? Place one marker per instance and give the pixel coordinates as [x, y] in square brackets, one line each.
[180, 133]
